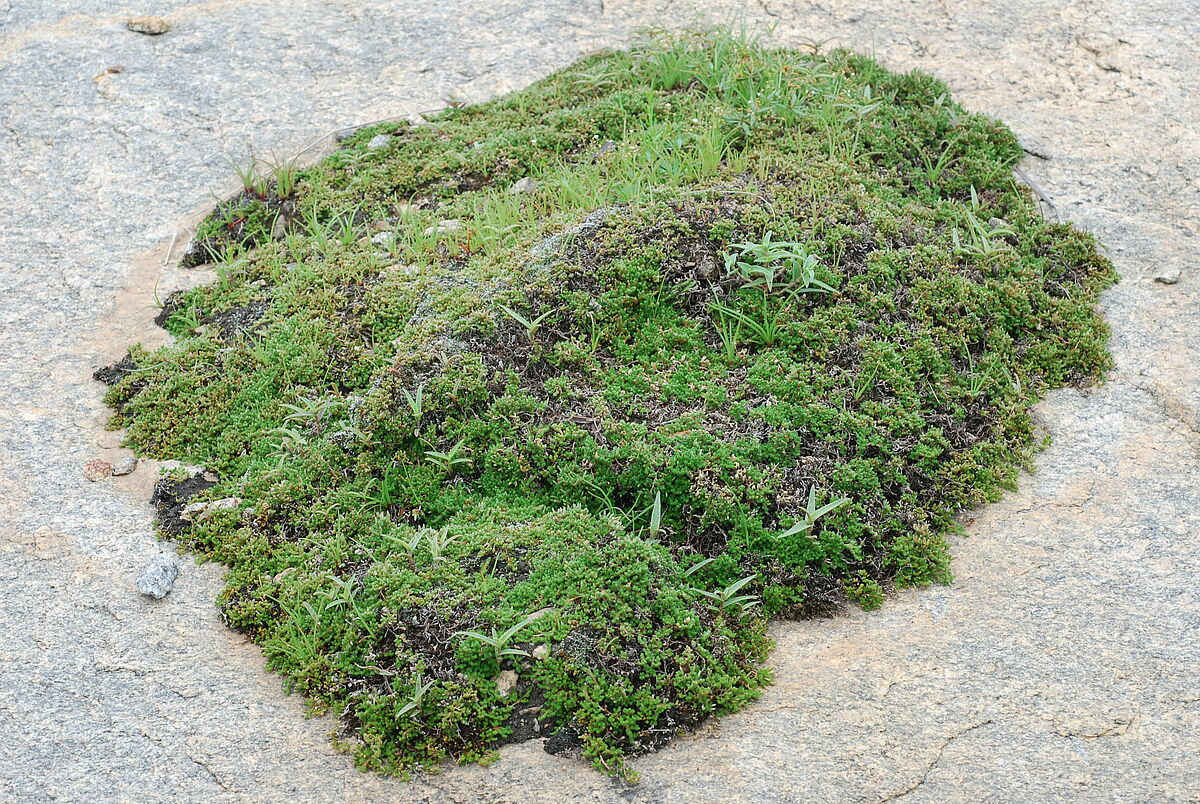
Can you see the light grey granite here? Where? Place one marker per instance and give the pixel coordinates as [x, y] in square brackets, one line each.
[159, 576]
[1060, 666]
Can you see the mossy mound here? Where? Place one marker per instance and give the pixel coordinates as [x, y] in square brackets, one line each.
[763, 323]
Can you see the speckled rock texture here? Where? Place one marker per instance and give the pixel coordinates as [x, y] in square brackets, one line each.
[1062, 665]
[157, 578]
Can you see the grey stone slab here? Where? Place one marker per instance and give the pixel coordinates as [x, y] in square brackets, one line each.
[1060, 666]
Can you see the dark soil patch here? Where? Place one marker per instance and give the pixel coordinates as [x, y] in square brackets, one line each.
[115, 372]
[170, 497]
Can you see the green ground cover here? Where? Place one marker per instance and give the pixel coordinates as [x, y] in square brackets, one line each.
[547, 462]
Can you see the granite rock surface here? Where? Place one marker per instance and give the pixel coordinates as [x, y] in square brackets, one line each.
[1060, 666]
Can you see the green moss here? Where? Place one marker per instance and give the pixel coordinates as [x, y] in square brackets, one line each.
[748, 283]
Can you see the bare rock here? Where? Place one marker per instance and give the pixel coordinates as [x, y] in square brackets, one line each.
[1061, 641]
[506, 682]
[378, 141]
[1169, 277]
[150, 25]
[448, 225]
[125, 466]
[226, 504]
[158, 577]
[97, 469]
[523, 186]
[192, 511]
[203, 511]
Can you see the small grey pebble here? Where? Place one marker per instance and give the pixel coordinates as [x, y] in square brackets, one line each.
[158, 576]
[125, 466]
[226, 504]
[448, 225]
[378, 141]
[525, 185]
[382, 239]
[150, 25]
[202, 511]
[1168, 278]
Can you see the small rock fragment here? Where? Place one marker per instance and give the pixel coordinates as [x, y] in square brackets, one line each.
[226, 504]
[540, 652]
[506, 682]
[448, 225]
[707, 268]
[150, 25]
[1168, 277]
[997, 223]
[383, 239]
[523, 186]
[378, 141]
[125, 466]
[97, 469]
[191, 511]
[279, 228]
[158, 576]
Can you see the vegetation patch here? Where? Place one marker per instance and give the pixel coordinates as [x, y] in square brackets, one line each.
[504, 458]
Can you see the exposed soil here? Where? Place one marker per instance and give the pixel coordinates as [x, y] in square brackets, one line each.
[170, 497]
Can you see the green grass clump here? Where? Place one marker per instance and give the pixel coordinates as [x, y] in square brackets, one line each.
[766, 321]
